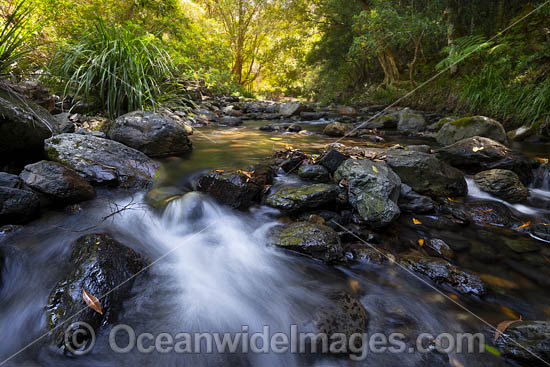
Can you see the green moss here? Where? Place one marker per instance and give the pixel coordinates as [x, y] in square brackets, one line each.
[462, 122]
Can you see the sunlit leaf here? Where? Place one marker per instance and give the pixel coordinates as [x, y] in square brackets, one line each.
[91, 301]
[525, 225]
[421, 242]
[375, 169]
[451, 199]
[416, 221]
[477, 149]
[501, 328]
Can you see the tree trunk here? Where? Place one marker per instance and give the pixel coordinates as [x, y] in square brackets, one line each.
[451, 35]
[389, 66]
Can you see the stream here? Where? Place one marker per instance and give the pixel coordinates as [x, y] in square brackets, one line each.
[220, 274]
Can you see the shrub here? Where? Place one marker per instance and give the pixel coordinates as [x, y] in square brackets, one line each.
[121, 67]
[13, 37]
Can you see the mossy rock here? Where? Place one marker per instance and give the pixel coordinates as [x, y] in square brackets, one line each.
[468, 127]
[297, 198]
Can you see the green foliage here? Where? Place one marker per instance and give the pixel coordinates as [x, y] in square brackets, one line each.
[121, 67]
[13, 37]
[464, 47]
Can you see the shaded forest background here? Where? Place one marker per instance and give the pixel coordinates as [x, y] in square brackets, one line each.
[133, 54]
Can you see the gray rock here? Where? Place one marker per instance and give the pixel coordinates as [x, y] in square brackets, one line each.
[335, 129]
[292, 108]
[11, 181]
[426, 174]
[97, 264]
[64, 123]
[332, 160]
[231, 121]
[102, 161]
[346, 110]
[521, 133]
[37, 93]
[298, 198]
[468, 127]
[314, 172]
[312, 116]
[411, 122]
[373, 190]
[316, 240]
[438, 248]
[441, 271]
[388, 121]
[159, 197]
[436, 126]
[57, 182]
[503, 184]
[541, 179]
[23, 125]
[524, 341]
[17, 206]
[151, 133]
[413, 202]
[480, 154]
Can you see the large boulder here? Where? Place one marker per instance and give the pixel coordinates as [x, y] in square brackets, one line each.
[480, 154]
[102, 161]
[316, 240]
[410, 121]
[469, 127]
[292, 108]
[527, 342]
[151, 133]
[503, 184]
[413, 202]
[9, 180]
[426, 174]
[58, 182]
[297, 198]
[37, 93]
[373, 190]
[235, 188]
[23, 125]
[388, 121]
[336, 129]
[313, 172]
[346, 110]
[17, 206]
[442, 271]
[98, 265]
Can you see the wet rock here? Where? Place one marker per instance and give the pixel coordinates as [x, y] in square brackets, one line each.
[231, 121]
[438, 248]
[541, 230]
[468, 127]
[102, 161]
[17, 206]
[413, 202]
[11, 181]
[524, 341]
[98, 264]
[292, 109]
[159, 197]
[59, 183]
[480, 154]
[346, 110]
[436, 126]
[23, 126]
[541, 179]
[426, 174]
[441, 271]
[235, 188]
[503, 184]
[312, 116]
[313, 172]
[370, 256]
[316, 240]
[483, 252]
[335, 129]
[64, 123]
[332, 160]
[487, 212]
[297, 198]
[37, 93]
[232, 111]
[411, 122]
[521, 133]
[420, 148]
[521, 245]
[384, 122]
[151, 133]
[373, 190]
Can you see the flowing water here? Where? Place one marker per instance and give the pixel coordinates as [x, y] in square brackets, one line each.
[217, 273]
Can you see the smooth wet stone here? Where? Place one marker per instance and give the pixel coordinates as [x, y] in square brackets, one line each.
[524, 341]
[413, 202]
[438, 248]
[316, 240]
[57, 182]
[487, 212]
[159, 197]
[11, 181]
[468, 127]
[480, 154]
[541, 231]
[373, 190]
[426, 174]
[503, 184]
[484, 252]
[441, 271]
[336, 129]
[314, 172]
[521, 245]
[296, 198]
[102, 161]
[17, 206]
[370, 256]
[98, 264]
[154, 134]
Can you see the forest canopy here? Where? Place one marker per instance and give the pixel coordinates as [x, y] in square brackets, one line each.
[140, 52]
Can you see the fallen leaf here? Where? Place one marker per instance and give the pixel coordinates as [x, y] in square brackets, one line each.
[477, 149]
[487, 211]
[492, 350]
[421, 242]
[501, 328]
[354, 285]
[453, 296]
[451, 199]
[343, 183]
[416, 221]
[276, 139]
[498, 281]
[508, 312]
[218, 170]
[91, 301]
[524, 225]
[375, 169]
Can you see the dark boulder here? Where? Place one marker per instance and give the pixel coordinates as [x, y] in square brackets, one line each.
[316, 240]
[480, 154]
[527, 342]
[384, 122]
[102, 161]
[17, 206]
[441, 271]
[99, 265]
[426, 174]
[58, 182]
[503, 184]
[468, 127]
[332, 160]
[313, 172]
[37, 93]
[11, 181]
[298, 198]
[438, 248]
[488, 212]
[151, 133]
[412, 202]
